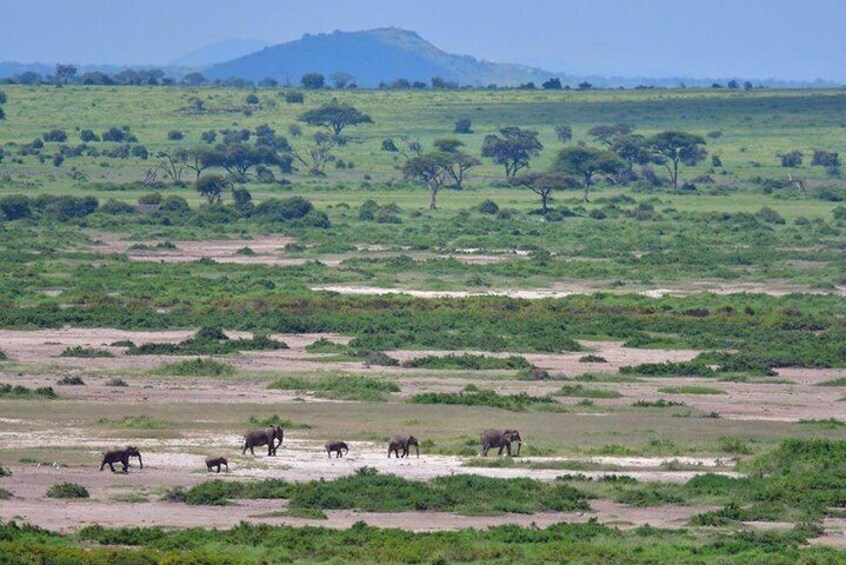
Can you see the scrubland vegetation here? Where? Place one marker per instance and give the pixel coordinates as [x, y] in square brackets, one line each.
[705, 225]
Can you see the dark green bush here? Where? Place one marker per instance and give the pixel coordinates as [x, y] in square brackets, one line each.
[67, 490]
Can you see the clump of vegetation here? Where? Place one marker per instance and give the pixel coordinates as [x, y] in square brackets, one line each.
[199, 367]
[324, 345]
[209, 340]
[660, 403]
[340, 386]
[691, 389]
[468, 361]
[823, 424]
[4, 472]
[591, 358]
[122, 343]
[5, 494]
[133, 423]
[369, 491]
[70, 381]
[579, 391]
[116, 381]
[513, 402]
[18, 391]
[840, 381]
[277, 421]
[3, 356]
[87, 352]
[379, 359]
[67, 490]
[734, 445]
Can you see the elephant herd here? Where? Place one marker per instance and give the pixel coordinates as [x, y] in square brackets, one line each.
[273, 435]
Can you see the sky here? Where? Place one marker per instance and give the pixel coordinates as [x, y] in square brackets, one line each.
[786, 39]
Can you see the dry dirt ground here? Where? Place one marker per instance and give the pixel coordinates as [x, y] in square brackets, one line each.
[66, 433]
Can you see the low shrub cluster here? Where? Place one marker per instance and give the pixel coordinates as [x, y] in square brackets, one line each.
[197, 368]
[18, 391]
[340, 386]
[71, 381]
[87, 352]
[67, 490]
[513, 402]
[468, 361]
[209, 340]
[579, 391]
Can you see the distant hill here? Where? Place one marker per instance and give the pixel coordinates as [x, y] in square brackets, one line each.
[217, 52]
[372, 57]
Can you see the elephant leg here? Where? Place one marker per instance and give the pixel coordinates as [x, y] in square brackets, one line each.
[111, 466]
[102, 464]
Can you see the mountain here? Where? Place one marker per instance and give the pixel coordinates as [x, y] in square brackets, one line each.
[217, 52]
[372, 57]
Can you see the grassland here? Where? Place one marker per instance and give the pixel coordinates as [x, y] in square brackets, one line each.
[716, 323]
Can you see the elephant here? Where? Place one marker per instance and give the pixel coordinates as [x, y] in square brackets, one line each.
[501, 439]
[121, 456]
[266, 436]
[216, 462]
[399, 442]
[339, 447]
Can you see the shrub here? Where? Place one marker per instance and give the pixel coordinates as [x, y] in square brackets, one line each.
[4, 472]
[67, 490]
[79, 351]
[489, 207]
[115, 381]
[463, 126]
[133, 423]
[18, 391]
[468, 361]
[88, 136]
[3, 356]
[660, 403]
[592, 359]
[175, 135]
[116, 207]
[379, 358]
[71, 381]
[340, 386]
[294, 97]
[251, 98]
[324, 345]
[197, 368]
[55, 135]
[690, 389]
[770, 216]
[15, 207]
[513, 402]
[579, 391]
[5, 495]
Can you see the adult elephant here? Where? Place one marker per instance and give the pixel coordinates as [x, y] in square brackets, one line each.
[402, 443]
[263, 436]
[501, 439]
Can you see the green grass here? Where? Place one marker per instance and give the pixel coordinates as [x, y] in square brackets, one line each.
[277, 421]
[660, 403]
[840, 381]
[826, 424]
[690, 389]
[340, 386]
[197, 368]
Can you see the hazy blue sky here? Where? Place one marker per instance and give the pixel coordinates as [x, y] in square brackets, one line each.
[794, 39]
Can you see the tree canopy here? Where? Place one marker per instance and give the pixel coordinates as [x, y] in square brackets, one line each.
[335, 116]
[513, 148]
[585, 162]
[672, 148]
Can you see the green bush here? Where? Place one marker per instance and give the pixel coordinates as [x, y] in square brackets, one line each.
[691, 390]
[340, 386]
[88, 352]
[18, 391]
[197, 368]
[468, 361]
[67, 490]
[514, 402]
[579, 391]
[71, 381]
[660, 403]
[116, 381]
[210, 340]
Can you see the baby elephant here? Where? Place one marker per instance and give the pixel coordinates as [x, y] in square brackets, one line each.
[120, 456]
[403, 443]
[216, 462]
[339, 447]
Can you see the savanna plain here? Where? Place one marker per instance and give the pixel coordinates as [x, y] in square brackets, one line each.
[180, 265]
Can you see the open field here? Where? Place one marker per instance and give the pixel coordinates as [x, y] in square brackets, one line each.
[675, 361]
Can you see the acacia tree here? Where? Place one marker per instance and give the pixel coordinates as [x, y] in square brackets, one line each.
[461, 162]
[513, 148]
[212, 187]
[674, 148]
[65, 73]
[317, 155]
[585, 162]
[543, 184]
[607, 134]
[431, 169]
[414, 149]
[632, 149]
[335, 116]
[564, 133]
